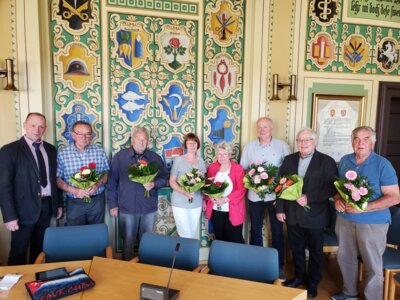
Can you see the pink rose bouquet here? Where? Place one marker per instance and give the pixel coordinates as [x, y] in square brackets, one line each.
[354, 189]
[192, 182]
[260, 178]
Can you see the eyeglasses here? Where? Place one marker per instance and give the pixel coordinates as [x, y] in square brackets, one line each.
[89, 134]
[303, 140]
[191, 143]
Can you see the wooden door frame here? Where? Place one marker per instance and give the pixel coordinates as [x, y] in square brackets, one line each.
[386, 90]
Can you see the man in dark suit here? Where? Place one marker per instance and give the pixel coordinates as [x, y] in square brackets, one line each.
[28, 190]
[305, 225]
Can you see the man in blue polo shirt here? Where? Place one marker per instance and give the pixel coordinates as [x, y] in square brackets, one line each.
[364, 233]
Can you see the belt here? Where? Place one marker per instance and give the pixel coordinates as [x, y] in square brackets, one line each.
[46, 198]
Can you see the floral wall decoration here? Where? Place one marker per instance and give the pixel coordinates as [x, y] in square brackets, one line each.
[122, 64]
[336, 46]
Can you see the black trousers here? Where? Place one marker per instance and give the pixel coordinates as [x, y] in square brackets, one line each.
[30, 237]
[312, 238]
[223, 228]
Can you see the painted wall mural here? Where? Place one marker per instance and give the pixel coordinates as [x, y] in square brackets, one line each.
[76, 56]
[148, 74]
[223, 86]
[336, 46]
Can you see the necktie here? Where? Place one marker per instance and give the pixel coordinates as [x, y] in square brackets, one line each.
[42, 166]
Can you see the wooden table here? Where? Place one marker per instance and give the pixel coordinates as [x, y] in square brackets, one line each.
[19, 292]
[116, 279]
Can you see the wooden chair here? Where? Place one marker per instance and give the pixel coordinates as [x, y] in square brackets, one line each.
[393, 283]
[331, 244]
[244, 262]
[391, 256]
[159, 250]
[71, 243]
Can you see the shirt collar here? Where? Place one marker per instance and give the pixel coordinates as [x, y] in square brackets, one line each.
[30, 142]
[265, 145]
[307, 156]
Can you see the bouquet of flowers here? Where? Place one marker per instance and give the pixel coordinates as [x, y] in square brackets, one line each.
[290, 188]
[192, 182]
[260, 178]
[354, 189]
[143, 173]
[85, 178]
[214, 189]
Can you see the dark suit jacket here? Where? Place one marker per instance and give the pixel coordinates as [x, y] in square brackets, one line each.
[20, 192]
[318, 186]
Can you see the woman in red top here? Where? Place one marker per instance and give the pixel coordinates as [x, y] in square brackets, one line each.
[227, 214]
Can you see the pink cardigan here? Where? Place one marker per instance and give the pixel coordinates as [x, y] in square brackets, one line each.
[237, 210]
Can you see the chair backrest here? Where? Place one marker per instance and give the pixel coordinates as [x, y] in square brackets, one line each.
[75, 242]
[243, 261]
[393, 234]
[159, 250]
[331, 243]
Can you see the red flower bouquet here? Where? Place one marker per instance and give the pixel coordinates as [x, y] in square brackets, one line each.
[143, 173]
[85, 178]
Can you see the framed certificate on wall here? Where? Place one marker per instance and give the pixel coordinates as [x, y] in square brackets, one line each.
[333, 118]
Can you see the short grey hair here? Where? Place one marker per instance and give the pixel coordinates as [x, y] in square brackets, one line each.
[364, 128]
[311, 132]
[137, 130]
[265, 119]
[224, 146]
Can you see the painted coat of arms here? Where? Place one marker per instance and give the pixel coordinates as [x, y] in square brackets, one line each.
[75, 12]
[388, 55]
[175, 50]
[224, 23]
[355, 52]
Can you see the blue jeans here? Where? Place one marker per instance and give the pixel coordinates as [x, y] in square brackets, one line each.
[130, 226]
[83, 213]
[257, 212]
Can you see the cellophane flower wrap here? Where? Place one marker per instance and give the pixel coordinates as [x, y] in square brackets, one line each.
[290, 188]
[85, 178]
[260, 178]
[354, 189]
[192, 181]
[214, 189]
[143, 172]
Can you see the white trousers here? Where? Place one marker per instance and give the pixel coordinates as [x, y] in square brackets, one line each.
[187, 221]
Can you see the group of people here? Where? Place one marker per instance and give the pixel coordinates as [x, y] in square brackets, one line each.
[33, 173]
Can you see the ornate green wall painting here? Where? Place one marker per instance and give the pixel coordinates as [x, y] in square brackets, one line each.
[336, 46]
[223, 86]
[152, 69]
[75, 46]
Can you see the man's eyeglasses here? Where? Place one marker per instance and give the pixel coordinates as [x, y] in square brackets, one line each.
[89, 134]
[303, 140]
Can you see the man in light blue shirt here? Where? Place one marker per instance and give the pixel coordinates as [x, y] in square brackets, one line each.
[271, 151]
[363, 233]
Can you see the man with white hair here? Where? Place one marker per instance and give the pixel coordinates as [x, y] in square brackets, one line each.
[307, 217]
[126, 198]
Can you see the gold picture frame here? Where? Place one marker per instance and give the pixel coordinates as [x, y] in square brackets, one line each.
[333, 118]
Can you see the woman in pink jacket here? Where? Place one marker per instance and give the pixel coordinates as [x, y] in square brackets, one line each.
[227, 214]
